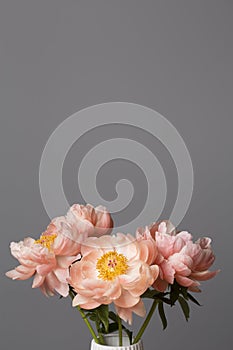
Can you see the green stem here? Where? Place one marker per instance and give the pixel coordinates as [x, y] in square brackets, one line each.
[119, 330]
[145, 323]
[101, 339]
[100, 335]
[85, 319]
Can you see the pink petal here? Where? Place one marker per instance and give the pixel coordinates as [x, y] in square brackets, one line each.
[84, 302]
[62, 274]
[139, 309]
[15, 275]
[62, 289]
[204, 275]
[168, 271]
[37, 281]
[160, 285]
[46, 289]
[185, 281]
[194, 289]
[44, 269]
[66, 261]
[126, 300]
[124, 314]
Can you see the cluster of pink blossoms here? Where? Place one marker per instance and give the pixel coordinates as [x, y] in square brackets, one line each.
[77, 251]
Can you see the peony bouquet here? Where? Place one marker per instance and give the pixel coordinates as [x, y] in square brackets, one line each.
[108, 276]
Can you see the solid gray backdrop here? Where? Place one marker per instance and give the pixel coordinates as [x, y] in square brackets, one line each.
[57, 57]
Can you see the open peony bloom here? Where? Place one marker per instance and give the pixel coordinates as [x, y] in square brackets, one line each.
[47, 259]
[180, 258]
[89, 220]
[113, 269]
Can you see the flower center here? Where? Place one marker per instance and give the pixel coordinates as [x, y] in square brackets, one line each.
[46, 240]
[110, 265]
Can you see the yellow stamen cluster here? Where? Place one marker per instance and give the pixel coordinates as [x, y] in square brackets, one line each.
[110, 265]
[46, 240]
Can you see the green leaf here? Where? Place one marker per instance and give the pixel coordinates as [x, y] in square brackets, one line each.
[92, 317]
[162, 315]
[165, 300]
[129, 333]
[113, 327]
[173, 297]
[102, 314]
[184, 292]
[112, 316]
[91, 314]
[184, 306]
[156, 295]
[150, 293]
[176, 289]
[193, 299]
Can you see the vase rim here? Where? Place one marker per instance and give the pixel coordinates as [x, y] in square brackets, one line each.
[116, 346]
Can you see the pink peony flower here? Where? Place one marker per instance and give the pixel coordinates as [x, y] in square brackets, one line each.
[112, 269]
[196, 258]
[87, 219]
[48, 258]
[181, 259]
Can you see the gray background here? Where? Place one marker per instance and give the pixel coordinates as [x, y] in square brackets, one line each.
[57, 57]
